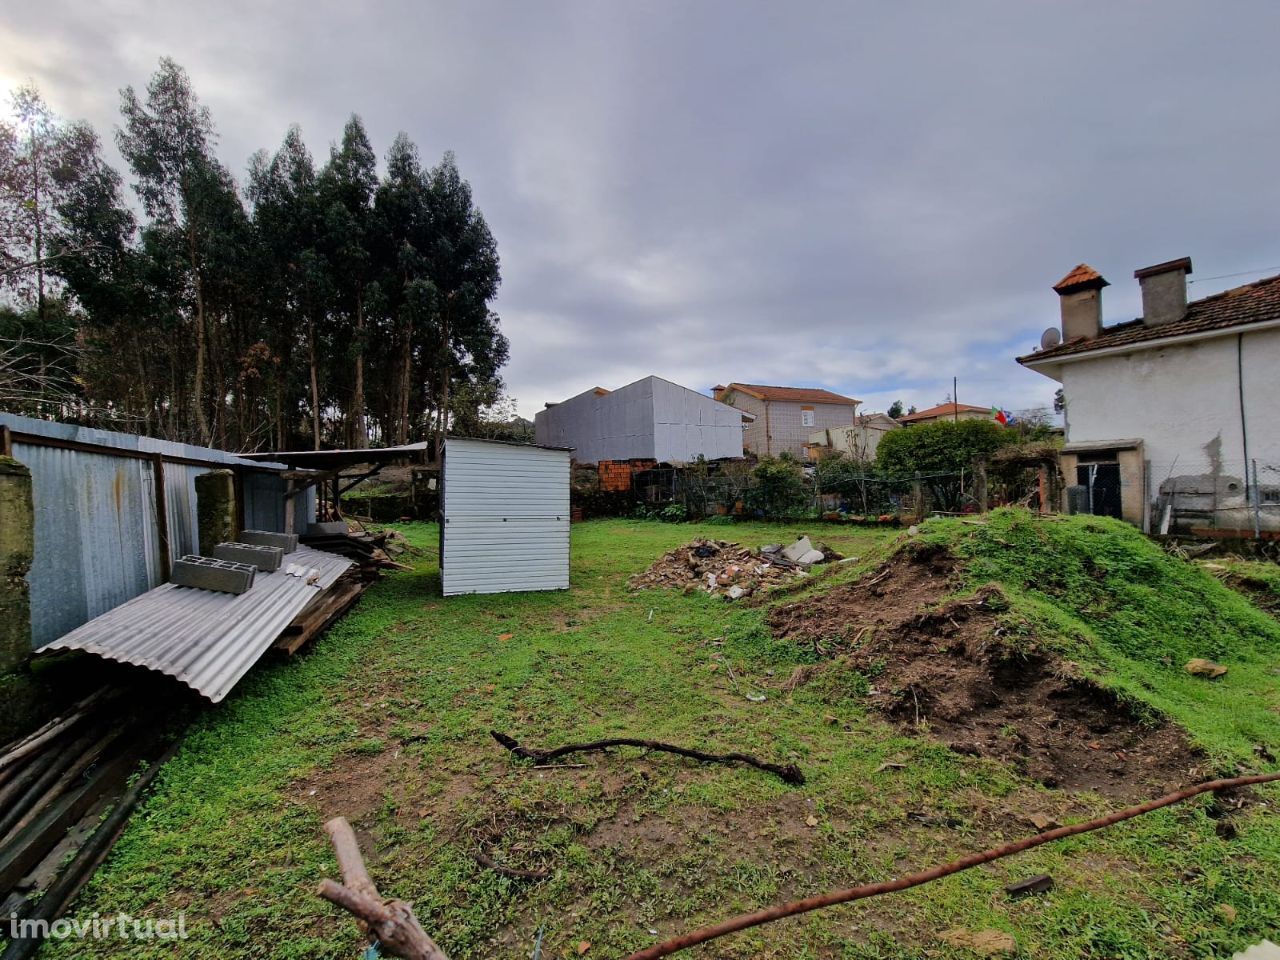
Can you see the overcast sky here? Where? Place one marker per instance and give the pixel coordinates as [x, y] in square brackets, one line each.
[869, 197]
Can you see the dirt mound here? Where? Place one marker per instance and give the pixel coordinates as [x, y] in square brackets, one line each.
[948, 670]
[718, 567]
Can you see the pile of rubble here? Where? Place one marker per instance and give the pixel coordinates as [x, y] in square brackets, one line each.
[730, 569]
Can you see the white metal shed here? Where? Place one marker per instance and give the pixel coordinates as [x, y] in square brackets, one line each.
[504, 523]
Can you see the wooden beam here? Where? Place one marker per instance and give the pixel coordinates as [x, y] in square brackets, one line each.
[288, 505]
[162, 514]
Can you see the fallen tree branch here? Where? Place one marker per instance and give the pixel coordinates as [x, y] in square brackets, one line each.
[391, 921]
[789, 773]
[780, 911]
[483, 858]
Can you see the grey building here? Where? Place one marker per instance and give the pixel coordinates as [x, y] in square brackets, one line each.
[651, 419]
[785, 417]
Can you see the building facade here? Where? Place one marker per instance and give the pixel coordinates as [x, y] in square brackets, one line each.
[1171, 419]
[858, 440]
[651, 419]
[782, 418]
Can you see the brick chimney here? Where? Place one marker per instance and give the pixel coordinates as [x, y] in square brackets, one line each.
[1164, 291]
[1080, 298]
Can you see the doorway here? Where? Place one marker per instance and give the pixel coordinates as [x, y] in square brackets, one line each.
[1103, 483]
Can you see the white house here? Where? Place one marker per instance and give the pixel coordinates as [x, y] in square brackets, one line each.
[1173, 419]
[651, 419]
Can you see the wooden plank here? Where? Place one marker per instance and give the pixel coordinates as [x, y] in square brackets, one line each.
[162, 514]
[29, 846]
[325, 610]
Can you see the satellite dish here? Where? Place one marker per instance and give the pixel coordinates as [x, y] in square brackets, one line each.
[1050, 338]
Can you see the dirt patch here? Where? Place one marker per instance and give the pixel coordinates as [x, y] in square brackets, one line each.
[1259, 592]
[945, 670]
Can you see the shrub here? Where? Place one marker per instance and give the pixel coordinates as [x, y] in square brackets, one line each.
[941, 447]
[779, 488]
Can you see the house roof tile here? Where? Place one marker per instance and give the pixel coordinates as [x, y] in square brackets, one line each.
[793, 394]
[1080, 277]
[1252, 303]
[942, 410]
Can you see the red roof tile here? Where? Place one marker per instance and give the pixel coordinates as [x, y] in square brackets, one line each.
[1253, 303]
[1081, 277]
[792, 394]
[942, 410]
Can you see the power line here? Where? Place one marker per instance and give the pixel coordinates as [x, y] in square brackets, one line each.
[1228, 276]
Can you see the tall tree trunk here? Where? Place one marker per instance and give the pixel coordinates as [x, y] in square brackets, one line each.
[360, 431]
[315, 383]
[445, 357]
[406, 377]
[202, 424]
[39, 226]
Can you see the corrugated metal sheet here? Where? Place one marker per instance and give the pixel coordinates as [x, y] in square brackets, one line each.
[205, 639]
[506, 518]
[96, 537]
[93, 517]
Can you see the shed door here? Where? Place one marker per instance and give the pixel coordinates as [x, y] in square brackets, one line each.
[505, 518]
[1103, 482]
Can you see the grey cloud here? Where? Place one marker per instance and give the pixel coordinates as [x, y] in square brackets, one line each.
[873, 198]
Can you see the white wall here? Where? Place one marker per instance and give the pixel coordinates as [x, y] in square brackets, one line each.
[688, 424]
[615, 426]
[506, 518]
[1183, 402]
[651, 419]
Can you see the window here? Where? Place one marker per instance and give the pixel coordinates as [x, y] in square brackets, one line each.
[806, 416]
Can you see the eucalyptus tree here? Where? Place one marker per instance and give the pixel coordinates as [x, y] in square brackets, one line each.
[168, 140]
[346, 188]
[286, 216]
[401, 226]
[462, 261]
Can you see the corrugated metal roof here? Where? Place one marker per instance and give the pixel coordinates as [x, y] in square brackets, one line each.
[205, 639]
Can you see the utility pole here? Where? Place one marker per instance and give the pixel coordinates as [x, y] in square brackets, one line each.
[955, 400]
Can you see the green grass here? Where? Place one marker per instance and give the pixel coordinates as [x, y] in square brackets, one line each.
[1132, 616]
[386, 721]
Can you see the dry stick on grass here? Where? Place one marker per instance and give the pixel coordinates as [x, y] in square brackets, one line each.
[391, 921]
[789, 773]
[483, 858]
[782, 910]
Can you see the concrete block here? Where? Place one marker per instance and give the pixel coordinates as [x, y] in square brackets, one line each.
[265, 559]
[797, 550]
[288, 542]
[215, 508]
[335, 528]
[206, 573]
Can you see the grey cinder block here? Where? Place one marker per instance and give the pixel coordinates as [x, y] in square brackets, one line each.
[288, 542]
[265, 559]
[209, 574]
